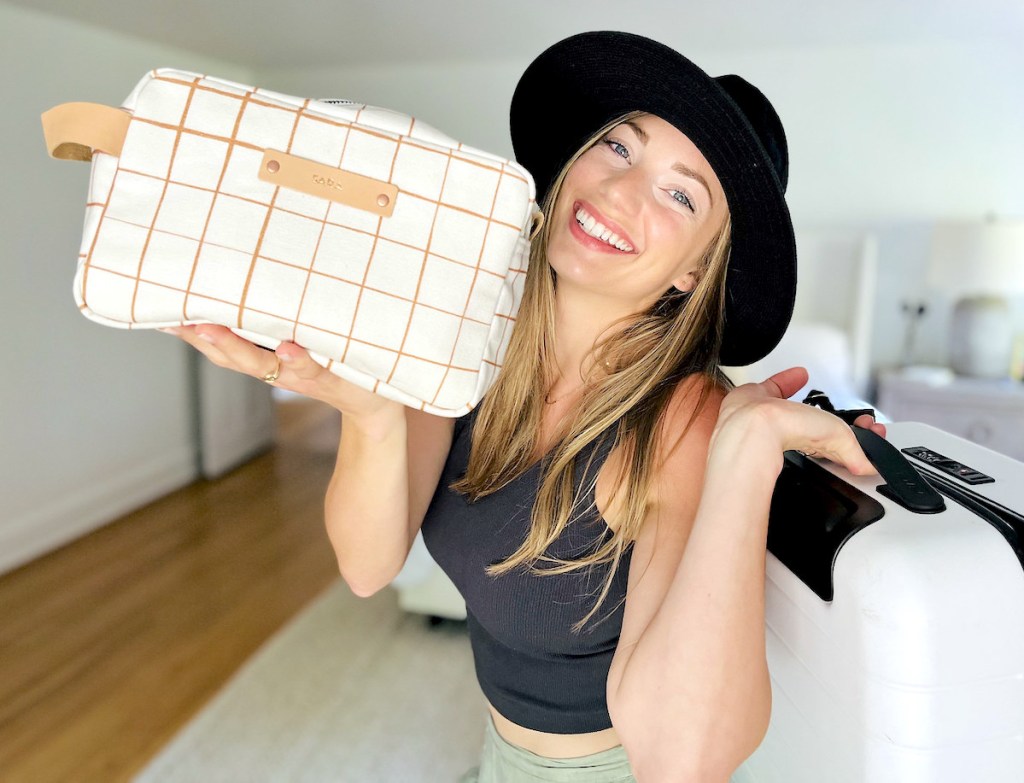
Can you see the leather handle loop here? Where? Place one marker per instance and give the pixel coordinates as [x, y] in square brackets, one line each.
[538, 223]
[73, 131]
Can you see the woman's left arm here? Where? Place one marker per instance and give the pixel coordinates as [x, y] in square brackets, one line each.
[689, 694]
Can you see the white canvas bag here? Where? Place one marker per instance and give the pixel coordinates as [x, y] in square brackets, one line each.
[391, 252]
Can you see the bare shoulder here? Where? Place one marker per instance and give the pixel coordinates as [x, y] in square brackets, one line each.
[429, 423]
[428, 433]
[681, 459]
[680, 448]
[681, 443]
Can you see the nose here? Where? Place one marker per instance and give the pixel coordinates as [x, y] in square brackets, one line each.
[623, 189]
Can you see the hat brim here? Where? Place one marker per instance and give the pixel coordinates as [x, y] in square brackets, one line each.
[582, 82]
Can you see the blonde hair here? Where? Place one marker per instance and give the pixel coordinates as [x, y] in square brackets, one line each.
[680, 335]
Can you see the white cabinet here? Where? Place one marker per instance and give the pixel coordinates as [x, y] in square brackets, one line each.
[987, 412]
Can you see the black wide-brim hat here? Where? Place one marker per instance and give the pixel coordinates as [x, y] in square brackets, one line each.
[582, 82]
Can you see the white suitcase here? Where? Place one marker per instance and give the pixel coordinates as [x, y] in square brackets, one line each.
[913, 672]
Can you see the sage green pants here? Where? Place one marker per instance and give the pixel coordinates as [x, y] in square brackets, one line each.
[503, 762]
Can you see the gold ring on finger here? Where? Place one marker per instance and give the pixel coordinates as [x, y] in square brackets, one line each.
[270, 377]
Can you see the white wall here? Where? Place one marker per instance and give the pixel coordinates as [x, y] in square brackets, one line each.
[93, 421]
[881, 133]
[893, 138]
[889, 137]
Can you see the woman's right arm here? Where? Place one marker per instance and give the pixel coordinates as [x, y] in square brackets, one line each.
[390, 457]
[387, 471]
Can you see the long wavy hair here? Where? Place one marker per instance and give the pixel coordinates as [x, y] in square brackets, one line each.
[636, 369]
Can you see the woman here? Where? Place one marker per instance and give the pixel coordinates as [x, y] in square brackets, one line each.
[616, 616]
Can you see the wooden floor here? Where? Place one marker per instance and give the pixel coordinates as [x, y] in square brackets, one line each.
[112, 643]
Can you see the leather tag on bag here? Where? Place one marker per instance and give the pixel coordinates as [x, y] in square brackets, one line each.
[323, 181]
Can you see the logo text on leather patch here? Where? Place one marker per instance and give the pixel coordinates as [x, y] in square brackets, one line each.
[323, 181]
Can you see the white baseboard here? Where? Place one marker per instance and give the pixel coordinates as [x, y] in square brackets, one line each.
[72, 513]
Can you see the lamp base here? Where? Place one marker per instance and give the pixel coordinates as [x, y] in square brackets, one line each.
[981, 337]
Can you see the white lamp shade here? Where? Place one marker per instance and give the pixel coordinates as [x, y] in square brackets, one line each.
[978, 258]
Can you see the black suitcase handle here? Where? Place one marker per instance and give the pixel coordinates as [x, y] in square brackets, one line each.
[903, 483]
[814, 513]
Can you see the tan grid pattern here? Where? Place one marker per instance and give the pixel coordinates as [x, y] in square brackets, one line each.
[417, 307]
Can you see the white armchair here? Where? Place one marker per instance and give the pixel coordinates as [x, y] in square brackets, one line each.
[425, 589]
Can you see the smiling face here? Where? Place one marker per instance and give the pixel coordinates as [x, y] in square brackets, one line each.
[649, 185]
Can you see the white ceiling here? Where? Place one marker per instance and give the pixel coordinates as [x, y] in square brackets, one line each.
[279, 33]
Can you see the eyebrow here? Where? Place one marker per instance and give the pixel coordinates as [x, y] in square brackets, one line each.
[679, 168]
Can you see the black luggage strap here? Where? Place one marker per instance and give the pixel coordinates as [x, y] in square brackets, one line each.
[904, 484]
[819, 400]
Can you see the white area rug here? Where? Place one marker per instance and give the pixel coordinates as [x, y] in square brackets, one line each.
[352, 689]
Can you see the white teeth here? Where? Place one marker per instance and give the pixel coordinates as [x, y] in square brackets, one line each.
[593, 228]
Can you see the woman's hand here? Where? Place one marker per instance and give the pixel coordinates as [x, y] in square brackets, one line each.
[299, 373]
[794, 425]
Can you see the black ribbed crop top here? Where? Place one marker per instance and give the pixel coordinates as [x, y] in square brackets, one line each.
[530, 665]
